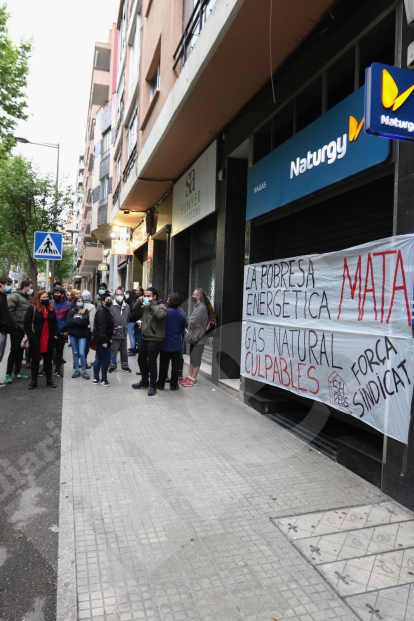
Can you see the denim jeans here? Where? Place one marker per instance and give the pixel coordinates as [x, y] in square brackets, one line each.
[78, 350]
[131, 333]
[101, 363]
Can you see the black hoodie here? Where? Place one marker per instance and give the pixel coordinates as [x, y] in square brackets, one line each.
[4, 314]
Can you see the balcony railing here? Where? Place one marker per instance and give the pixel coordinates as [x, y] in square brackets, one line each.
[130, 163]
[193, 28]
[116, 193]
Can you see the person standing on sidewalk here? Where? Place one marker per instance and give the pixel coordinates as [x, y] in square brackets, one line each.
[102, 292]
[154, 317]
[197, 325]
[87, 298]
[120, 314]
[173, 343]
[41, 327]
[18, 303]
[135, 321]
[103, 329]
[62, 308]
[131, 299]
[5, 288]
[78, 330]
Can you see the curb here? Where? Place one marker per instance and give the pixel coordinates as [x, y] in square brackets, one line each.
[66, 609]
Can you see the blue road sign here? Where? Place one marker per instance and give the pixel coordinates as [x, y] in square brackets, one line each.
[48, 245]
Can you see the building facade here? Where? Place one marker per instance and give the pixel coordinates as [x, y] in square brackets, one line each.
[197, 115]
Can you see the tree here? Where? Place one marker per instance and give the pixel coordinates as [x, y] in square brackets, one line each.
[29, 202]
[14, 68]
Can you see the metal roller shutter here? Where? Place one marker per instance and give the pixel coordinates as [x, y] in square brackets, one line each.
[354, 217]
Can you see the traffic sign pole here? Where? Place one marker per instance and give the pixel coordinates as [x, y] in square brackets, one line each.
[47, 287]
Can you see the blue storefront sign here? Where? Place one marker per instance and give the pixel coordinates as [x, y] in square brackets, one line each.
[329, 150]
[389, 102]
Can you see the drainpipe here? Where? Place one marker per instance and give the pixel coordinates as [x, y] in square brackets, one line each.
[167, 260]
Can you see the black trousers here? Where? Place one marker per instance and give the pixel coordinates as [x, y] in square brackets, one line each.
[147, 360]
[59, 347]
[47, 363]
[15, 358]
[165, 357]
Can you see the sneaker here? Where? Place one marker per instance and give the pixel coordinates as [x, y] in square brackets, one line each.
[174, 388]
[127, 370]
[22, 376]
[111, 369]
[131, 353]
[88, 366]
[8, 379]
[58, 373]
[140, 385]
[184, 379]
[105, 383]
[76, 374]
[32, 385]
[51, 384]
[41, 373]
[96, 381]
[190, 382]
[2, 384]
[85, 375]
[152, 391]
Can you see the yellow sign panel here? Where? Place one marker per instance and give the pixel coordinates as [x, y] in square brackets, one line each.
[121, 247]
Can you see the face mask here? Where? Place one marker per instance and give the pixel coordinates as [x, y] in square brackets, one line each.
[193, 297]
[80, 304]
[57, 297]
[127, 296]
[45, 302]
[7, 288]
[108, 303]
[119, 298]
[102, 291]
[146, 302]
[29, 292]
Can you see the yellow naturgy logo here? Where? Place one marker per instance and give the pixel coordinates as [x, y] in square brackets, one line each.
[354, 128]
[390, 94]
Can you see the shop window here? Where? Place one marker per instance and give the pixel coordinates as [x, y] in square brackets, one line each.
[378, 45]
[262, 142]
[283, 123]
[308, 104]
[341, 78]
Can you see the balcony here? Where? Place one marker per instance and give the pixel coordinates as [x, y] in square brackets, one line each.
[131, 161]
[91, 257]
[201, 12]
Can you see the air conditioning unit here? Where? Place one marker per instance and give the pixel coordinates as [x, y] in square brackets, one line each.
[149, 221]
[409, 9]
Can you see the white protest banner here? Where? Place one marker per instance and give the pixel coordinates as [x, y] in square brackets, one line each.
[336, 328]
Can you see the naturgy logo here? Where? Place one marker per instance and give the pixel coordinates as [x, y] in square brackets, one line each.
[190, 183]
[392, 99]
[329, 153]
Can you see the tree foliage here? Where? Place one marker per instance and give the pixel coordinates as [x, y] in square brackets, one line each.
[29, 202]
[14, 68]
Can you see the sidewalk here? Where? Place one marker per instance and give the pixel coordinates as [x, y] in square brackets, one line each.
[176, 501]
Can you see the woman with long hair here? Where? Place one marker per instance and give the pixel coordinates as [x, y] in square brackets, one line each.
[203, 314]
[41, 327]
[77, 323]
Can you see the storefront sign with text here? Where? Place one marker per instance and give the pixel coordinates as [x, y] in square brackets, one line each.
[336, 328]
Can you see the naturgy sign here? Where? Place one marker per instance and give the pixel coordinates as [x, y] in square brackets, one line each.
[389, 102]
[329, 150]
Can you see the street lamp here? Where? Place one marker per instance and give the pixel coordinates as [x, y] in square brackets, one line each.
[52, 146]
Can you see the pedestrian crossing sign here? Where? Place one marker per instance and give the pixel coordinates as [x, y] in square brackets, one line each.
[48, 245]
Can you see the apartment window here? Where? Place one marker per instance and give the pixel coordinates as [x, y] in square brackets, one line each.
[92, 132]
[103, 193]
[134, 54]
[132, 134]
[120, 108]
[122, 35]
[106, 143]
[155, 82]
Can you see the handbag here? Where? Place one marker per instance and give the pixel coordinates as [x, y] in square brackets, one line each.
[25, 344]
[92, 344]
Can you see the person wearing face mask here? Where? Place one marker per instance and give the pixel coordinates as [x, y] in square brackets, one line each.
[135, 318]
[120, 314]
[78, 329]
[103, 329]
[102, 291]
[18, 303]
[41, 327]
[130, 299]
[4, 317]
[87, 298]
[154, 315]
[62, 308]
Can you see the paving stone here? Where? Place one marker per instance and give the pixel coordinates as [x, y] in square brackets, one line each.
[173, 498]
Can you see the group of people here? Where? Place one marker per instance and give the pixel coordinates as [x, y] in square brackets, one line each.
[155, 328]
